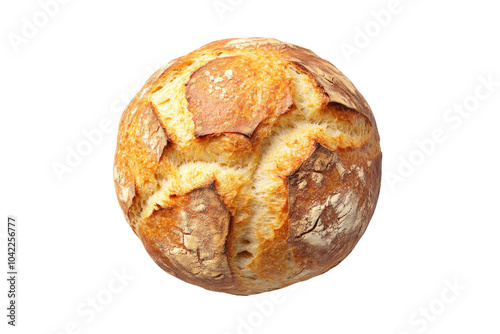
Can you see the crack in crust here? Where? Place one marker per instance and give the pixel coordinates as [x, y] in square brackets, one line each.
[316, 219]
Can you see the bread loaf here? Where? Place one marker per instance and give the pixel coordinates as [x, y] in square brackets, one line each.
[248, 165]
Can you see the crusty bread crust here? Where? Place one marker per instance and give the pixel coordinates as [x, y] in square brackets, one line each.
[248, 165]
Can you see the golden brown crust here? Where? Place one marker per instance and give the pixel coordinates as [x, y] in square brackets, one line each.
[248, 165]
[145, 139]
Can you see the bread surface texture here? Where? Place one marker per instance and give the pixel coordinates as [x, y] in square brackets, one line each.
[248, 165]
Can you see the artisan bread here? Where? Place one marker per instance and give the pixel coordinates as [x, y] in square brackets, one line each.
[248, 165]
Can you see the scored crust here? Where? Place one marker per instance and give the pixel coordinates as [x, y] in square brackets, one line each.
[222, 100]
[248, 165]
[188, 238]
[324, 226]
[145, 140]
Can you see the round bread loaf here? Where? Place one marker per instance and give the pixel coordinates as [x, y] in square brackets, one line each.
[248, 165]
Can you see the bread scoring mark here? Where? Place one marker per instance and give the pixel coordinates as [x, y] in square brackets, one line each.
[313, 218]
[125, 188]
[152, 133]
[236, 93]
[191, 241]
[325, 77]
[333, 82]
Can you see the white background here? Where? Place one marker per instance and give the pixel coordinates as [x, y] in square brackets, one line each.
[436, 224]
